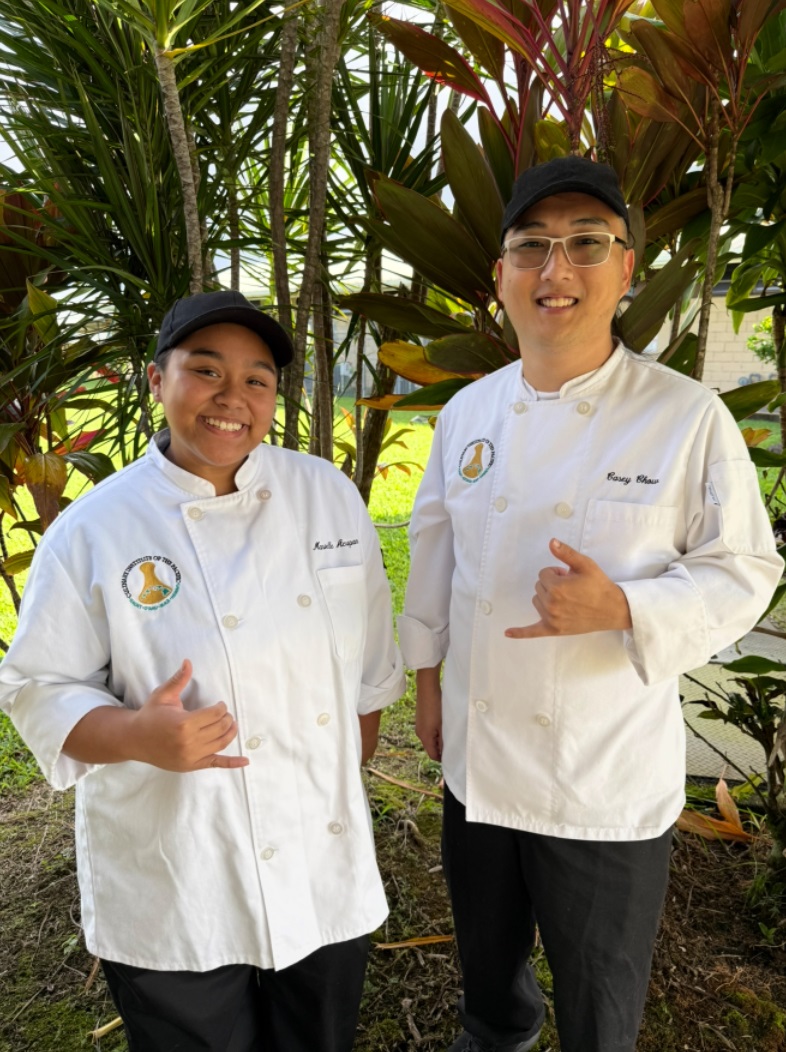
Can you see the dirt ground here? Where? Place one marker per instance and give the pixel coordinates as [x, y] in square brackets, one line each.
[719, 975]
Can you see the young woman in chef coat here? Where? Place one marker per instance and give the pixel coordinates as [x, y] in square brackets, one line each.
[204, 648]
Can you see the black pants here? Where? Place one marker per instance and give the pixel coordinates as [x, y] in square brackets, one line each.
[597, 905]
[312, 1006]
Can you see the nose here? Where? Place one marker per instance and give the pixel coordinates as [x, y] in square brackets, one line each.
[231, 393]
[557, 263]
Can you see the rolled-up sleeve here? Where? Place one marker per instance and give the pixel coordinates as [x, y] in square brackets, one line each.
[56, 668]
[718, 590]
[423, 628]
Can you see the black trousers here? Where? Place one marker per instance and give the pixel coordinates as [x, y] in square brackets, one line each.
[597, 906]
[312, 1006]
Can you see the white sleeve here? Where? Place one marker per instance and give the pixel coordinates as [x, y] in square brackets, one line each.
[720, 587]
[56, 669]
[382, 676]
[423, 628]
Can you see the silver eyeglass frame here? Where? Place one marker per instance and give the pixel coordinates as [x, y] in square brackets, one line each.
[612, 238]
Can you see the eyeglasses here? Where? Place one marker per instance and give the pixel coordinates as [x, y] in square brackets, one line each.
[583, 250]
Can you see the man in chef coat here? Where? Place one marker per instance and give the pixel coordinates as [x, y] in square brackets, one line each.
[589, 526]
[204, 647]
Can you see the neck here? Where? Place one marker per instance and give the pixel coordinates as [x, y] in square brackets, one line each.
[547, 369]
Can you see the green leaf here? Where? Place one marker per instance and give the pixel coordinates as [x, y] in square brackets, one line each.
[761, 236]
[18, 563]
[96, 466]
[684, 358]
[551, 140]
[672, 217]
[433, 56]
[765, 458]
[759, 303]
[434, 395]
[401, 314]
[498, 152]
[487, 49]
[642, 320]
[473, 352]
[6, 504]
[42, 308]
[754, 665]
[654, 42]
[642, 94]
[427, 236]
[472, 183]
[7, 432]
[744, 401]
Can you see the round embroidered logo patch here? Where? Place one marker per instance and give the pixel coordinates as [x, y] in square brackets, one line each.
[151, 582]
[476, 459]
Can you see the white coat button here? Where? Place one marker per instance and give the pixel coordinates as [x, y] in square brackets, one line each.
[543, 719]
[481, 705]
[196, 514]
[267, 854]
[336, 828]
[254, 743]
[323, 719]
[229, 621]
[500, 504]
[520, 407]
[485, 606]
[583, 408]
[263, 494]
[304, 600]
[563, 510]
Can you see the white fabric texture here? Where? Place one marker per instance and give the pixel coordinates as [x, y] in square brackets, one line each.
[641, 469]
[278, 596]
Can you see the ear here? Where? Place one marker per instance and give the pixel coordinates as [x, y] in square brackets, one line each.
[498, 275]
[628, 264]
[154, 378]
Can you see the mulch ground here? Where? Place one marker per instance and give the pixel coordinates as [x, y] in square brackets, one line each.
[719, 974]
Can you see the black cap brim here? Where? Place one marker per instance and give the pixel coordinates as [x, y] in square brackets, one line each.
[263, 325]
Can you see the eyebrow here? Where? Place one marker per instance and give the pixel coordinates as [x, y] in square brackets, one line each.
[591, 222]
[206, 352]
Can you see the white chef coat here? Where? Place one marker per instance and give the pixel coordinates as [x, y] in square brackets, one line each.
[643, 470]
[278, 595]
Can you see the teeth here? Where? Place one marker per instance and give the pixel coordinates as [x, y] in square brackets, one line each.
[557, 301]
[223, 425]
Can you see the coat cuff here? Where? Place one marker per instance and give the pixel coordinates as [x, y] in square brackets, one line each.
[421, 646]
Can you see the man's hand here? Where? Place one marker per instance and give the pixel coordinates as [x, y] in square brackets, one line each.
[574, 600]
[428, 713]
[166, 735]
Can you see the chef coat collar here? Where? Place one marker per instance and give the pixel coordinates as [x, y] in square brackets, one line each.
[193, 483]
[579, 385]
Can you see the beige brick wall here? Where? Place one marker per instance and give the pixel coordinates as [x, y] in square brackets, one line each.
[728, 358]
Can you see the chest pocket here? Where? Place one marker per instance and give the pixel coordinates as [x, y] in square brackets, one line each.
[630, 541]
[344, 591]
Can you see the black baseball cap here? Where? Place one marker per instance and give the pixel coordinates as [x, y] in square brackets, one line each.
[564, 175]
[209, 308]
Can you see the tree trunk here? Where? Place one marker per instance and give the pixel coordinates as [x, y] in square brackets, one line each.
[176, 126]
[234, 234]
[374, 434]
[779, 343]
[277, 178]
[718, 200]
[321, 60]
[322, 423]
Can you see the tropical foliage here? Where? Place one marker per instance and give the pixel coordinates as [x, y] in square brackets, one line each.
[349, 167]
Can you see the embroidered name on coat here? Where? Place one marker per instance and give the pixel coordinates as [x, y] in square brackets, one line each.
[625, 480]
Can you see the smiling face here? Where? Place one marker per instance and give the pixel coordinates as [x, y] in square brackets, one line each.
[218, 391]
[562, 314]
